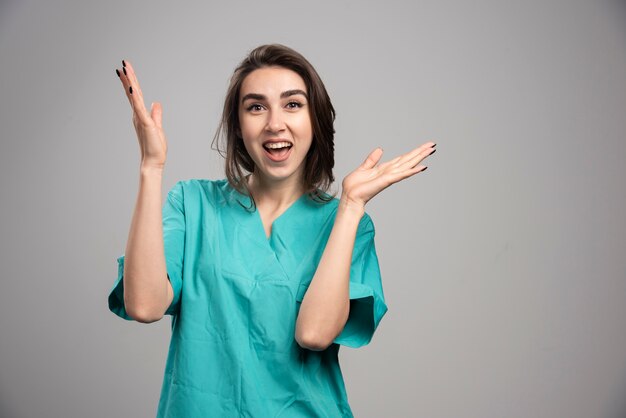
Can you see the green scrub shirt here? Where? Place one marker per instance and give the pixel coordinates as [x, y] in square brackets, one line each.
[237, 294]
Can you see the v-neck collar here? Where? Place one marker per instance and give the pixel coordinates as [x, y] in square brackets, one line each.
[295, 233]
[252, 219]
[278, 219]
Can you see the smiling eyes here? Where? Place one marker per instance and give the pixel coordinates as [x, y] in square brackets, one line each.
[256, 107]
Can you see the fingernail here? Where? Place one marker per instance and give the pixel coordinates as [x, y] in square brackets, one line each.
[124, 70]
[123, 63]
[117, 72]
[432, 152]
[424, 168]
[434, 145]
[130, 89]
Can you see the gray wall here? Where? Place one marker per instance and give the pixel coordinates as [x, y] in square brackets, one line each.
[504, 264]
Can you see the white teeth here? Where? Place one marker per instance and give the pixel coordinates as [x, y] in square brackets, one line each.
[277, 145]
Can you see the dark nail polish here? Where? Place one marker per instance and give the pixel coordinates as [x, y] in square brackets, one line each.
[433, 152]
[425, 168]
[130, 89]
[434, 145]
[123, 63]
[124, 71]
[117, 72]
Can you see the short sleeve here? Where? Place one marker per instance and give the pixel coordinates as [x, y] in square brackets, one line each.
[367, 300]
[174, 248]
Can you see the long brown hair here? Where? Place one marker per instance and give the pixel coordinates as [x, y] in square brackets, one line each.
[320, 160]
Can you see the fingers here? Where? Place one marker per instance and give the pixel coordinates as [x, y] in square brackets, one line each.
[372, 159]
[410, 159]
[419, 157]
[423, 150]
[133, 91]
[408, 165]
[132, 76]
[125, 83]
[401, 175]
[123, 74]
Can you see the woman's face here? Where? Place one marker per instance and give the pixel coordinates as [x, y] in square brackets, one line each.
[275, 123]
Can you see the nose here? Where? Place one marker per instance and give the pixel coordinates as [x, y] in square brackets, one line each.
[275, 122]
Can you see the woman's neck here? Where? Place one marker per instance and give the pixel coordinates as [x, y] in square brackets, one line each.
[275, 195]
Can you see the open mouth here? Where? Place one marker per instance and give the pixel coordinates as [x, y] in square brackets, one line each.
[277, 151]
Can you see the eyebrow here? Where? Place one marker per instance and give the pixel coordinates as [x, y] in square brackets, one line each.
[288, 93]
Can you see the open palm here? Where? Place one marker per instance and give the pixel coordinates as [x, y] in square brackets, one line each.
[148, 125]
[369, 179]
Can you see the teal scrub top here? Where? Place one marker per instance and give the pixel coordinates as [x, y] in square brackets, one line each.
[237, 294]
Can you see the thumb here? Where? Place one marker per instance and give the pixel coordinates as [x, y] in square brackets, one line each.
[156, 113]
[373, 158]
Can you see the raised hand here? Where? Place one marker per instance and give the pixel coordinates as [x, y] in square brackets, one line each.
[148, 126]
[370, 179]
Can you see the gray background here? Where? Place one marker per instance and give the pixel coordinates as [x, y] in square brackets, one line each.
[504, 264]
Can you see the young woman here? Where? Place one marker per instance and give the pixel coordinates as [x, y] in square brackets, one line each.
[264, 273]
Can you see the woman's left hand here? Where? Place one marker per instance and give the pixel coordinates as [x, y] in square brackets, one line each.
[370, 179]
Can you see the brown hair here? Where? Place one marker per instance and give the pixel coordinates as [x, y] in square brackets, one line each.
[320, 160]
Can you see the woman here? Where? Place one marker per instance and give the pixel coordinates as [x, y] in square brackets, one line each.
[264, 273]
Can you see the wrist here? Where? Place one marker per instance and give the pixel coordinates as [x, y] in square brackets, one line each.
[351, 208]
[151, 171]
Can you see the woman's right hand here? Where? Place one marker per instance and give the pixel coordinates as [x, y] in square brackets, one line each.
[152, 141]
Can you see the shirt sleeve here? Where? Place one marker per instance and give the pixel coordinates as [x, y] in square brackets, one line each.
[367, 300]
[174, 247]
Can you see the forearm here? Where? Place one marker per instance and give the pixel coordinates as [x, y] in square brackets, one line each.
[147, 291]
[326, 304]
